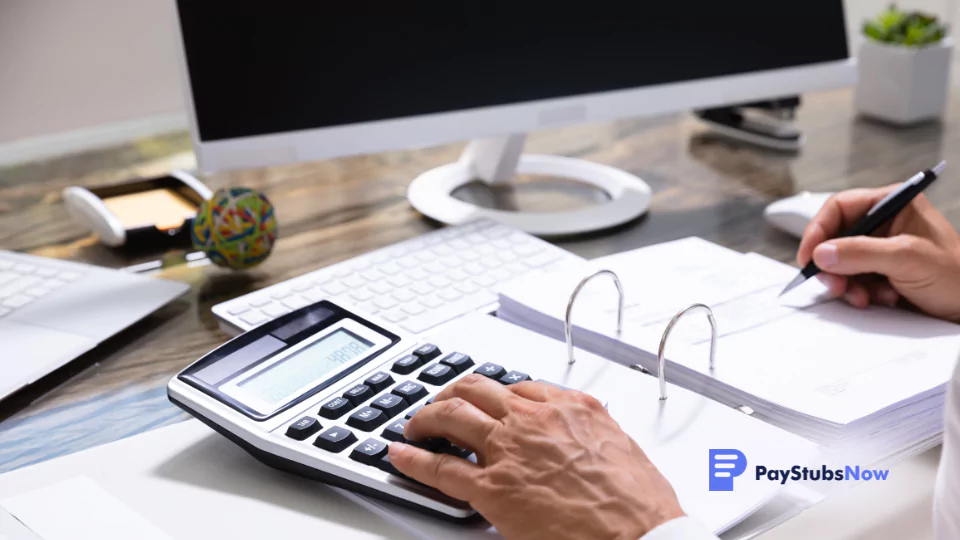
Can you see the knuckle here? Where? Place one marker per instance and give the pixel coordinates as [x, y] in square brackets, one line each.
[587, 400]
[449, 407]
[472, 379]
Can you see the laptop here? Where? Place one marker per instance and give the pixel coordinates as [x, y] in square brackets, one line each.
[52, 311]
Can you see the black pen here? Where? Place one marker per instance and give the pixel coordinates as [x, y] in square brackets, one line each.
[882, 212]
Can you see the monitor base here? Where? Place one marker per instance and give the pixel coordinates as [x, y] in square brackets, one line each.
[497, 160]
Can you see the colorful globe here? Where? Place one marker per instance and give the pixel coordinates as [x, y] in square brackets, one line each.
[236, 228]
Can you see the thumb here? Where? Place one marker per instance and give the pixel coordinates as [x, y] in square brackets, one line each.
[900, 258]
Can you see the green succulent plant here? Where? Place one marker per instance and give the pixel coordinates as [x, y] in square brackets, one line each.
[908, 28]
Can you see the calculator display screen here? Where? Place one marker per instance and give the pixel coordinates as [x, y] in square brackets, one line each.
[282, 381]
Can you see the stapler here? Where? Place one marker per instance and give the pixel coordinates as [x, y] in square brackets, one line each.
[769, 123]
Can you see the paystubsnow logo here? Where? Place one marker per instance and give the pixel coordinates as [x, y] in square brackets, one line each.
[727, 464]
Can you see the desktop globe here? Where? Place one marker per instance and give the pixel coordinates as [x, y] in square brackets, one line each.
[236, 228]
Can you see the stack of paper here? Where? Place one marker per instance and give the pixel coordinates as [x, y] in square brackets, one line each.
[864, 383]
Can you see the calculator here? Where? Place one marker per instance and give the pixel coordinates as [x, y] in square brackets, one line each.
[322, 391]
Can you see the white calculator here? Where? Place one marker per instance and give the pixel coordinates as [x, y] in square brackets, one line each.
[322, 391]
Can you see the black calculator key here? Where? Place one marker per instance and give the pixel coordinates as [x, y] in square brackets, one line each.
[458, 361]
[367, 419]
[407, 364]
[335, 408]
[335, 439]
[369, 451]
[437, 374]
[358, 394]
[494, 371]
[427, 352]
[379, 380]
[412, 412]
[394, 430]
[303, 428]
[384, 465]
[410, 391]
[435, 445]
[455, 450]
[514, 377]
[390, 404]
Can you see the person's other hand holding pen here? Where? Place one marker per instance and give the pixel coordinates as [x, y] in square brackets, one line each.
[914, 257]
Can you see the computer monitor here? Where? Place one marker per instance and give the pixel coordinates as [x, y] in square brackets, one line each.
[271, 84]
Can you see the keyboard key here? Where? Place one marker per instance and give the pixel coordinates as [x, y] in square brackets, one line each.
[527, 249]
[466, 287]
[68, 276]
[385, 302]
[335, 408]
[458, 361]
[394, 430]
[261, 301]
[391, 268]
[27, 269]
[427, 352]
[361, 294]
[53, 283]
[408, 262]
[5, 265]
[275, 310]
[484, 281]
[372, 275]
[395, 316]
[302, 286]
[238, 309]
[425, 256]
[254, 318]
[422, 288]
[475, 269]
[435, 268]
[379, 380]
[390, 404]
[369, 452]
[281, 294]
[406, 364]
[367, 419]
[334, 289]
[7, 277]
[5, 311]
[380, 288]
[335, 439]
[46, 272]
[469, 255]
[417, 274]
[456, 275]
[431, 301]
[358, 394]
[37, 292]
[442, 250]
[437, 374]
[384, 465]
[404, 296]
[449, 295]
[514, 377]
[17, 301]
[399, 281]
[439, 282]
[295, 302]
[494, 371]
[412, 412]
[411, 391]
[452, 261]
[303, 428]
[412, 309]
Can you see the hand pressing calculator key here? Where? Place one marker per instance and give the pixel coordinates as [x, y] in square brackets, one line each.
[322, 392]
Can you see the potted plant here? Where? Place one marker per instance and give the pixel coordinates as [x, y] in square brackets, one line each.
[903, 67]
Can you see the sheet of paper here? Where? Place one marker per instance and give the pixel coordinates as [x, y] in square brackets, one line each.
[78, 509]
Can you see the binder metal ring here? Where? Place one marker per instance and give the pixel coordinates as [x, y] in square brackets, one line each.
[568, 323]
[661, 358]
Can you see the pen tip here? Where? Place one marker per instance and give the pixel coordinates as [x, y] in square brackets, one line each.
[939, 167]
[793, 284]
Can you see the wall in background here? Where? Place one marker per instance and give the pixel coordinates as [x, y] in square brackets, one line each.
[81, 74]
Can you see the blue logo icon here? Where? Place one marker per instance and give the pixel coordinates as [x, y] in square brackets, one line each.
[725, 465]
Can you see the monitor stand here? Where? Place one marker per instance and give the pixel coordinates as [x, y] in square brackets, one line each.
[496, 160]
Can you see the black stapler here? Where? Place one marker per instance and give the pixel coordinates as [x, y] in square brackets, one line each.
[766, 123]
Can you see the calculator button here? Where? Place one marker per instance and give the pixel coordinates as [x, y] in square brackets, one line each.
[335, 408]
[427, 352]
[514, 377]
[437, 374]
[407, 364]
[367, 419]
[303, 428]
[458, 361]
[435, 445]
[384, 465]
[410, 391]
[369, 451]
[378, 381]
[390, 404]
[335, 439]
[394, 430]
[358, 394]
[455, 450]
[494, 371]
[412, 412]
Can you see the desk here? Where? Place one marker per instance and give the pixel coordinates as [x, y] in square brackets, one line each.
[333, 210]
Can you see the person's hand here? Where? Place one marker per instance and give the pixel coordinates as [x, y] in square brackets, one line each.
[551, 463]
[915, 257]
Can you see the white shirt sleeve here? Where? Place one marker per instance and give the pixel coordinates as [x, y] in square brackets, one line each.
[682, 528]
[946, 499]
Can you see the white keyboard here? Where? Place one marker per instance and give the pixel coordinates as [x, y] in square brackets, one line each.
[21, 283]
[416, 284]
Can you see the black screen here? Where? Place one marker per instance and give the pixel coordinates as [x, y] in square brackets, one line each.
[267, 67]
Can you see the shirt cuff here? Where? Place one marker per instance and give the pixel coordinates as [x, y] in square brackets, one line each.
[681, 528]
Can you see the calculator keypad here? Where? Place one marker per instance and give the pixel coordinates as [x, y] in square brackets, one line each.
[385, 401]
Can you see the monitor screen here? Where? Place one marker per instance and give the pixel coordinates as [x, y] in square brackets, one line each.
[264, 68]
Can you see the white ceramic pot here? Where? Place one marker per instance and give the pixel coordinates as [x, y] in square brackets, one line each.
[903, 85]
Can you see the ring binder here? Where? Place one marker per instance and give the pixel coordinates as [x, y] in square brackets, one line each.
[568, 324]
[661, 357]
